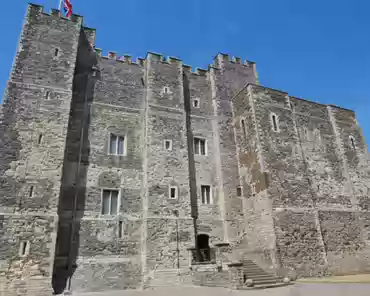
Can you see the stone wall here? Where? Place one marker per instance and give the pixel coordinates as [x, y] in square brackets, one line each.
[110, 245]
[316, 176]
[258, 236]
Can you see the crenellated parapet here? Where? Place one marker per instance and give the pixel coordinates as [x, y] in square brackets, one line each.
[219, 62]
[39, 9]
[221, 59]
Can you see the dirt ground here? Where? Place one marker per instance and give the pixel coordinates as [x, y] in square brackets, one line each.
[299, 289]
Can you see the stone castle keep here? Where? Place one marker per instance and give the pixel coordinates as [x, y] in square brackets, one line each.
[128, 174]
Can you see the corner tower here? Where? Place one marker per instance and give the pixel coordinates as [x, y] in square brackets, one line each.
[34, 121]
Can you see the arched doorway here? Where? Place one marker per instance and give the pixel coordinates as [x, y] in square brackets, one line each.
[204, 249]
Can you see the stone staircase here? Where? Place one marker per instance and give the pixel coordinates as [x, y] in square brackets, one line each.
[261, 278]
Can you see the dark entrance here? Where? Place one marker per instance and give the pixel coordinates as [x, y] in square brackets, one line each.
[205, 251]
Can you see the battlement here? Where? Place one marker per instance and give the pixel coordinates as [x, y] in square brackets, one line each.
[221, 58]
[35, 9]
[112, 55]
[170, 60]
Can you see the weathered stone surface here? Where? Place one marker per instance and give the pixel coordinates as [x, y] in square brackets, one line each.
[289, 179]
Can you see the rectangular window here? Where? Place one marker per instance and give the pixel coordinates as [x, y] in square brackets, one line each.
[173, 192]
[196, 103]
[206, 194]
[110, 202]
[168, 145]
[116, 145]
[238, 191]
[200, 146]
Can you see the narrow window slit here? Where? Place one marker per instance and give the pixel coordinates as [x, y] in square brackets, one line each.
[238, 191]
[253, 189]
[30, 194]
[168, 145]
[353, 144]
[120, 229]
[242, 122]
[274, 122]
[173, 192]
[40, 139]
[56, 52]
[24, 247]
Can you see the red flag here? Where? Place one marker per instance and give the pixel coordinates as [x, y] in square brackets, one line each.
[67, 6]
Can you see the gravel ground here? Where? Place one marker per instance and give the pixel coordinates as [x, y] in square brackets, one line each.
[299, 289]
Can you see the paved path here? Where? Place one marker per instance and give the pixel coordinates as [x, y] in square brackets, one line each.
[299, 289]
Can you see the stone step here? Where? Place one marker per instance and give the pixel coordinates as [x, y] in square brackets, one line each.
[261, 276]
[254, 269]
[265, 281]
[262, 286]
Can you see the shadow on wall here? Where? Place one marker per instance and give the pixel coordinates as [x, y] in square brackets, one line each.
[191, 162]
[76, 159]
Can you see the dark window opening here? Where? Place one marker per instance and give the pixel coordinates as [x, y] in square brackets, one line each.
[23, 248]
[120, 229]
[203, 253]
[196, 103]
[238, 191]
[274, 122]
[30, 194]
[173, 192]
[47, 95]
[353, 143]
[40, 139]
[242, 122]
[168, 145]
[56, 52]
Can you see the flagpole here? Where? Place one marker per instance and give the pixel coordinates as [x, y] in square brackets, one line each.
[60, 7]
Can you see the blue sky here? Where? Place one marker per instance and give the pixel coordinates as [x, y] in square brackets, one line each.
[318, 50]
